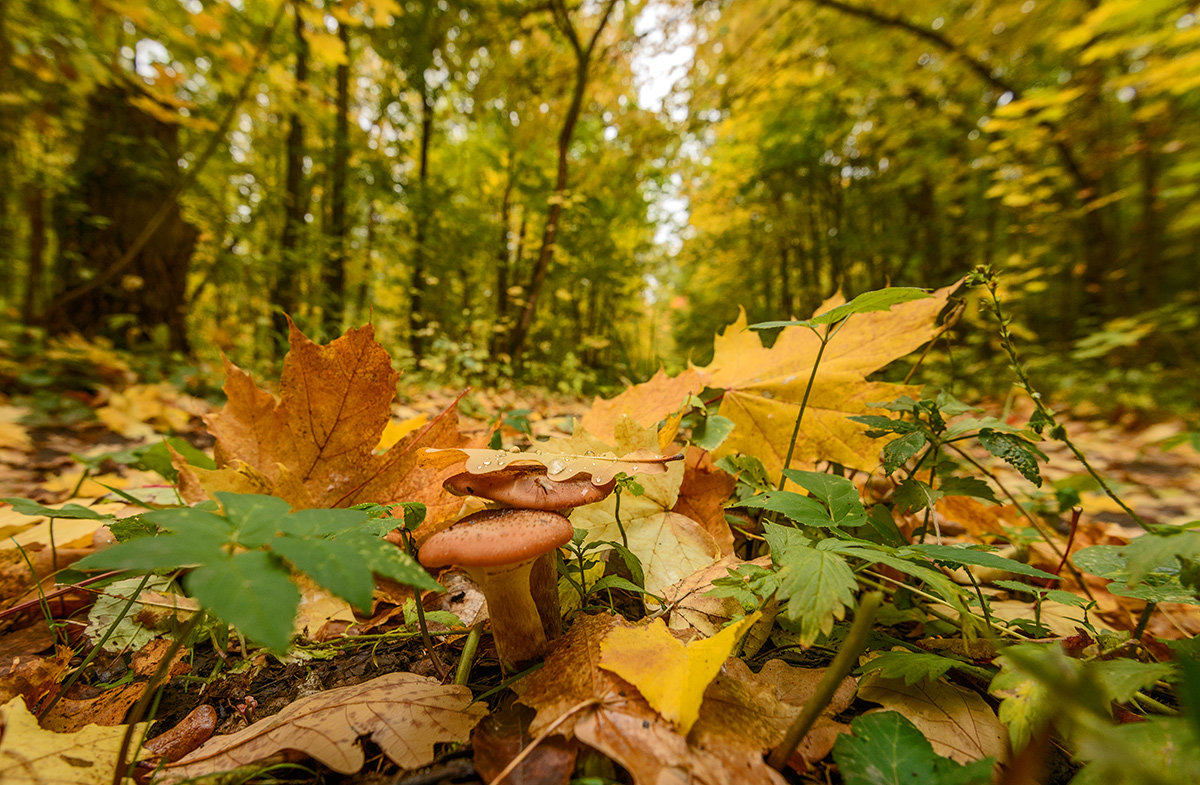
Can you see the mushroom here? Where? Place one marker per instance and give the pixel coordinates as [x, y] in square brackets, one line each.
[530, 488]
[498, 549]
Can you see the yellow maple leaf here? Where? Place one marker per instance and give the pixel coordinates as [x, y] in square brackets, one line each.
[30, 755]
[670, 545]
[671, 675]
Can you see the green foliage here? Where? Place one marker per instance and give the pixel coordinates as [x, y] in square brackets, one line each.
[1149, 568]
[886, 747]
[241, 561]
[910, 666]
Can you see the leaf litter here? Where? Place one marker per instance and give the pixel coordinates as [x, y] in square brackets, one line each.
[356, 442]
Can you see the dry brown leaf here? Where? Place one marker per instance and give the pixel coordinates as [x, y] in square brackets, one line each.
[314, 445]
[562, 466]
[31, 755]
[693, 608]
[33, 678]
[702, 496]
[405, 714]
[740, 718]
[958, 722]
[503, 734]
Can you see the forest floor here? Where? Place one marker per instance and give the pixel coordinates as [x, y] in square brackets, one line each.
[93, 450]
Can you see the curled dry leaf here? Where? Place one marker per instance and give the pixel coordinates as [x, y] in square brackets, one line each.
[958, 722]
[602, 467]
[692, 607]
[405, 714]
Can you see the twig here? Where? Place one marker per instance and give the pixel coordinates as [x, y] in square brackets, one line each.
[843, 663]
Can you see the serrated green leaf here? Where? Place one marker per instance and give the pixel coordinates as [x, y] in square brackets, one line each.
[1026, 702]
[191, 520]
[878, 300]
[911, 666]
[334, 523]
[885, 748]
[1015, 451]
[934, 580]
[837, 493]
[913, 494]
[251, 591]
[968, 486]
[387, 560]
[781, 539]
[74, 511]
[877, 422]
[711, 432]
[255, 517]
[1055, 595]
[965, 556]
[1152, 553]
[794, 506]
[884, 525]
[816, 586]
[1161, 584]
[148, 554]
[335, 565]
[1106, 561]
[1122, 679]
[131, 528]
[897, 452]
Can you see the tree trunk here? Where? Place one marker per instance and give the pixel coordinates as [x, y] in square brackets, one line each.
[125, 171]
[335, 269]
[417, 318]
[295, 196]
[583, 60]
[503, 261]
[35, 209]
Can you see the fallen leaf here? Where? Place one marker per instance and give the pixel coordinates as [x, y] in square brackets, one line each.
[33, 678]
[395, 430]
[702, 496]
[13, 435]
[503, 734]
[314, 445]
[958, 722]
[672, 676]
[692, 607]
[740, 717]
[107, 708]
[405, 714]
[646, 403]
[30, 755]
[670, 546]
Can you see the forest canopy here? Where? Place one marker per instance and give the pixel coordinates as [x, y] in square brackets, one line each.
[587, 191]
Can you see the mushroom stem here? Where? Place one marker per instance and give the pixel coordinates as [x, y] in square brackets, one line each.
[516, 624]
[543, 585]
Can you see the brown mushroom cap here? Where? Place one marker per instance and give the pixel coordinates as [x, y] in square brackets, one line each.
[492, 538]
[530, 488]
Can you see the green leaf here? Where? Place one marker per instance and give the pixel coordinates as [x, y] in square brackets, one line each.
[794, 506]
[817, 586]
[961, 556]
[1026, 701]
[1055, 595]
[1152, 553]
[877, 422]
[885, 748]
[390, 561]
[913, 494]
[781, 539]
[935, 580]
[911, 666]
[616, 582]
[897, 452]
[711, 432]
[251, 591]
[879, 300]
[1161, 584]
[255, 517]
[30, 507]
[131, 528]
[968, 486]
[838, 494]
[335, 565]
[883, 524]
[632, 562]
[157, 458]
[1122, 679]
[192, 520]
[334, 523]
[148, 554]
[1015, 451]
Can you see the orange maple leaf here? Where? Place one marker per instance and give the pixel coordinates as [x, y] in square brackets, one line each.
[314, 445]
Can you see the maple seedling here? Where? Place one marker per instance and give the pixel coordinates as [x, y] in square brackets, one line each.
[498, 549]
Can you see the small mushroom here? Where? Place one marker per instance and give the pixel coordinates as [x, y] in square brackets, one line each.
[498, 549]
[529, 488]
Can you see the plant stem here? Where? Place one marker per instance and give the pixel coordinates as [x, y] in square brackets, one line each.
[138, 712]
[467, 658]
[843, 663]
[426, 641]
[1057, 432]
[91, 655]
[812, 377]
[1144, 619]
[617, 516]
